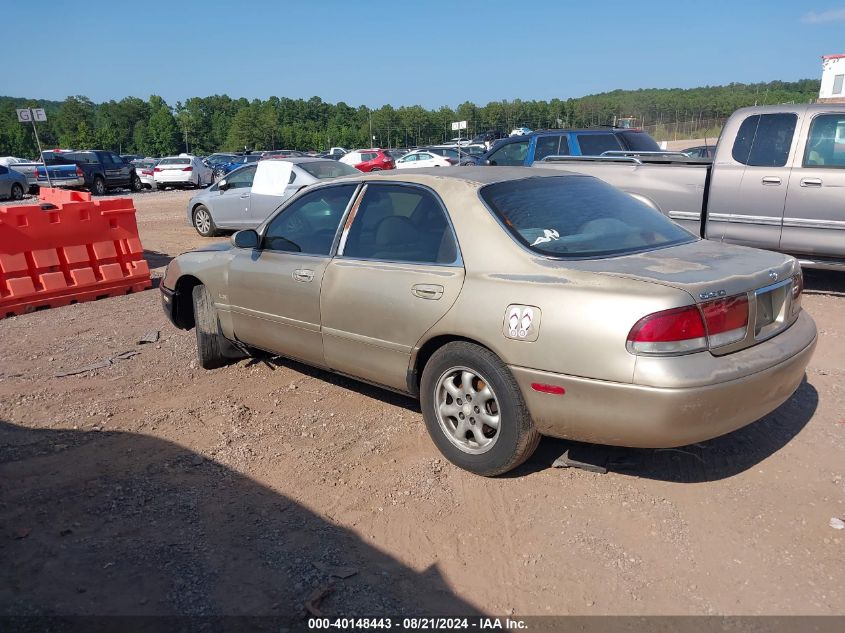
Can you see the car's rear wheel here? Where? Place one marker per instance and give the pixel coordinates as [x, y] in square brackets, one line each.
[474, 410]
[213, 349]
[17, 192]
[98, 188]
[137, 185]
[203, 222]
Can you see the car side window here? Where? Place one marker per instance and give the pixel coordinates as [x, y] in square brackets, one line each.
[401, 223]
[241, 179]
[596, 144]
[309, 224]
[826, 142]
[117, 160]
[3, 170]
[292, 177]
[551, 146]
[763, 140]
[510, 154]
[410, 158]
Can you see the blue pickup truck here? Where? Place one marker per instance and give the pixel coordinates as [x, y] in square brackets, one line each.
[525, 150]
[95, 170]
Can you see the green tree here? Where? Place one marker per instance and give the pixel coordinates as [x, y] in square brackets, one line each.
[162, 133]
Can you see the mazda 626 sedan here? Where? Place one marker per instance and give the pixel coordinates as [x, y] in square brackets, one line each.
[513, 302]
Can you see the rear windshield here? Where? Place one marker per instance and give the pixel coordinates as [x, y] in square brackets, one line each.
[640, 141]
[328, 169]
[175, 161]
[579, 216]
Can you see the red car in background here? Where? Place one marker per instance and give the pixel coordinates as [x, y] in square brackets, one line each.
[369, 159]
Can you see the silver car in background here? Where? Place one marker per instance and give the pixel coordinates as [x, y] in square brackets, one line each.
[245, 197]
[12, 184]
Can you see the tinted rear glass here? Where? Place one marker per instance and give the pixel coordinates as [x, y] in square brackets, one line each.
[328, 169]
[764, 140]
[579, 216]
[639, 141]
[175, 161]
[595, 144]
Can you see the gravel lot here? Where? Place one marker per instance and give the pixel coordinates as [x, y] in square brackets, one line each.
[150, 486]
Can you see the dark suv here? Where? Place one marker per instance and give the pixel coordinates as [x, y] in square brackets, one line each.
[524, 150]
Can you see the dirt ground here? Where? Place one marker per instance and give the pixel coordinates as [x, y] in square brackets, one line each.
[151, 486]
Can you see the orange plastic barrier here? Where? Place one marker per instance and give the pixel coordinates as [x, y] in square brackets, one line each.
[68, 249]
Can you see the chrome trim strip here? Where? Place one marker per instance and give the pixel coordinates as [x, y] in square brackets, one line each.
[275, 318]
[368, 340]
[806, 223]
[745, 219]
[684, 215]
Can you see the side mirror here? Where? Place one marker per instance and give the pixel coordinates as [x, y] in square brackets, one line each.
[223, 185]
[247, 238]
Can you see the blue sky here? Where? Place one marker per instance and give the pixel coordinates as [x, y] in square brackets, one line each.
[407, 52]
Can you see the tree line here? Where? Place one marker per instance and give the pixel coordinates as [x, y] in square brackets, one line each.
[203, 125]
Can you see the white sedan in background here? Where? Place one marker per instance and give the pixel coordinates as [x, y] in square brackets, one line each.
[181, 171]
[422, 158]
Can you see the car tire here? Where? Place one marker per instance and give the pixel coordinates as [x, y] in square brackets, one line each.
[376, 169]
[486, 379]
[203, 222]
[16, 192]
[213, 349]
[98, 188]
[136, 185]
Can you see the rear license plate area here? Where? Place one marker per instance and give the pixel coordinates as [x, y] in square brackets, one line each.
[771, 309]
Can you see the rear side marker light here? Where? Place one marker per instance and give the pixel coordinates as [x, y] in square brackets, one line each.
[555, 390]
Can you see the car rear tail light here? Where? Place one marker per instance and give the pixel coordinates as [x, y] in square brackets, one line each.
[691, 329]
[451, 161]
[147, 172]
[157, 169]
[675, 331]
[188, 168]
[79, 172]
[726, 320]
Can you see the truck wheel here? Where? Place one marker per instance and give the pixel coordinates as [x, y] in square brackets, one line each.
[203, 222]
[17, 192]
[213, 349]
[99, 186]
[136, 183]
[474, 410]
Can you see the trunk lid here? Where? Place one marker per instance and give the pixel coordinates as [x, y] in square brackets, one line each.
[700, 268]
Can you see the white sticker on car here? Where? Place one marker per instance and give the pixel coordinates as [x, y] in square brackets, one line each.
[522, 322]
[547, 236]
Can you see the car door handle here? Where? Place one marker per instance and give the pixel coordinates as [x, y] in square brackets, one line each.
[303, 274]
[771, 180]
[244, 195]
[811, 182]
[427, 291]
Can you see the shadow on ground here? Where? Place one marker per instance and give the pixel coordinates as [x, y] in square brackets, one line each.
[110, 523]
[824, 282]
[156, 259]
[712, 460]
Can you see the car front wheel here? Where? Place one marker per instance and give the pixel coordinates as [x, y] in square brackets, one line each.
[213, 349]
[474, 410]
[17, 192]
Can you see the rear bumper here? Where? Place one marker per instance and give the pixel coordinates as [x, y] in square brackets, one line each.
[653, 417]
[175, 179]
[62, 182]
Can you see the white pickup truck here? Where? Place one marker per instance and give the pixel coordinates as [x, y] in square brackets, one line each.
[777, 182]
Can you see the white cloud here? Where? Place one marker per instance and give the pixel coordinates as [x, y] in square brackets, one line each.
[834, 15]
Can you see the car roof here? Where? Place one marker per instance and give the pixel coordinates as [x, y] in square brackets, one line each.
[478, 176]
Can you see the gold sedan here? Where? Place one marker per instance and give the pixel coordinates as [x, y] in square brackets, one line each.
[513, 302]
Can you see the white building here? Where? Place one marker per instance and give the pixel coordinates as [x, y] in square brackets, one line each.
[833, 79]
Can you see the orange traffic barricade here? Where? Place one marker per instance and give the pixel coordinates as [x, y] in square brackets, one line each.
[68, 249]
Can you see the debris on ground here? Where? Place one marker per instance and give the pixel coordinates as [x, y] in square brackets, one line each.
[149, 337]
[312, 603]
[336, 572]
[98, 365]
[565, 461]
[837, 524]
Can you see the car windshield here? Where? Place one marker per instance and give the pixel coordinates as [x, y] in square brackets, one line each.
[579, 216]
[220, 158]
[328, 169]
